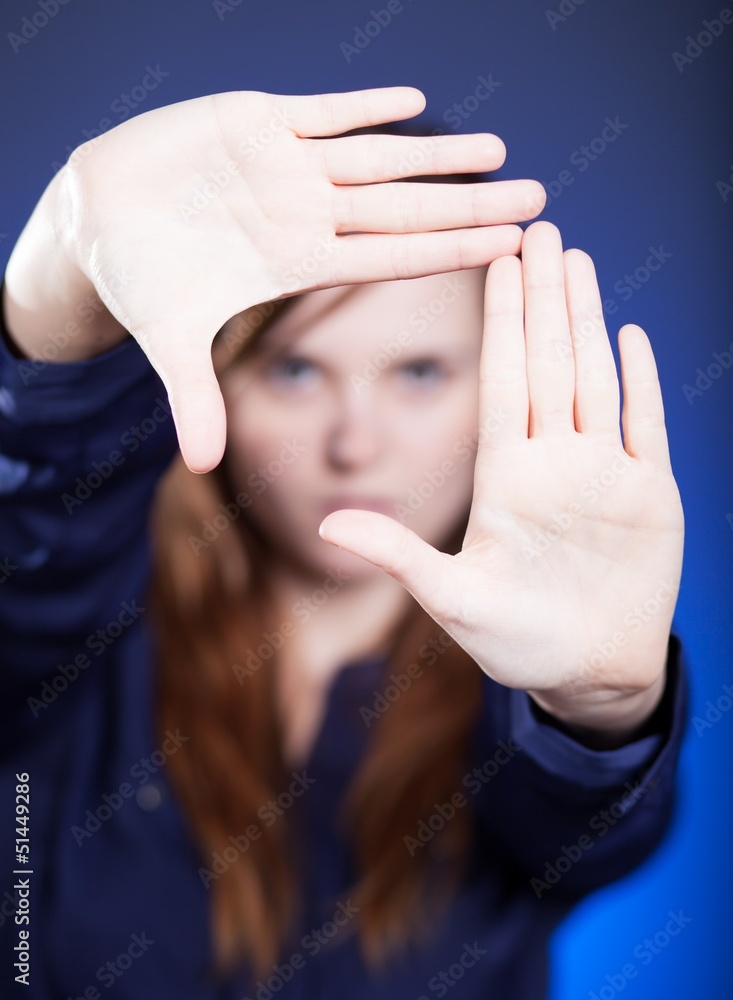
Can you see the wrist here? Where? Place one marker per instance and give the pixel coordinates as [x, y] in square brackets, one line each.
[604, 720]
[51, 308]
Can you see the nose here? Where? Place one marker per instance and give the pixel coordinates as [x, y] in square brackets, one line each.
[355, 436]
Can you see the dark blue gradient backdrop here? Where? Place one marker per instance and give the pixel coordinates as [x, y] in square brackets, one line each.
[656, 183]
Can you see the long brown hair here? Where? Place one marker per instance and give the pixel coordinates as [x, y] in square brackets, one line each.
[211, 608]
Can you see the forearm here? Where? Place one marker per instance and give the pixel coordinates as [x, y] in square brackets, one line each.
[52, 310]
[615, 803]
[85, 446]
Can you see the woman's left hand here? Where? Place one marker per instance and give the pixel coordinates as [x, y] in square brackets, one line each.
[570, 567]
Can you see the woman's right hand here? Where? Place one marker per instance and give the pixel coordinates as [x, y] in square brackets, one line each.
[184, 216]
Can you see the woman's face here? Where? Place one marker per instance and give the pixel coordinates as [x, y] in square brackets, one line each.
[360, 396]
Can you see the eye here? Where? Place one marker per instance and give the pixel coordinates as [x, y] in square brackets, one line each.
[293, 371]
[423, 372]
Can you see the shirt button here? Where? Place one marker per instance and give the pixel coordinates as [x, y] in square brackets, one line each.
[148, 797]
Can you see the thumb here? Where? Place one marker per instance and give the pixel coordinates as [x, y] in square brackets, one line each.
[421, 569]
[197, 404]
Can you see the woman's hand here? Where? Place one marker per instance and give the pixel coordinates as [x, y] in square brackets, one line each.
[186, 215]
[570, 566]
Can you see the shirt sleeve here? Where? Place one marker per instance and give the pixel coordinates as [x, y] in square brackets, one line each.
[82, 446]
[567, 817]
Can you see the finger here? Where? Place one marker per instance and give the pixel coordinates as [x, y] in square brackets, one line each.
[409, 208]
[367, 257]
[397, 550]
[363, 159]
[550, 366]
[197, 405]
[645, 434]
[331, 114]
[503, 396]
[596, 379]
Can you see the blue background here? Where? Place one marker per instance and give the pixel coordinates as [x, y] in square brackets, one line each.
[660, 184]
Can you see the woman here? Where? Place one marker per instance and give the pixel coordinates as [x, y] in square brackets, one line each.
[386, 760]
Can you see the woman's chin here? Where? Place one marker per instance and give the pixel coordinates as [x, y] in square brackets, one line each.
[346, 565]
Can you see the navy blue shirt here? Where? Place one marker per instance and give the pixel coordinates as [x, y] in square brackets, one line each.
[102, 892]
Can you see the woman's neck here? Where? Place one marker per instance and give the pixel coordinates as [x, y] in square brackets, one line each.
[327, 621]
[331, 618]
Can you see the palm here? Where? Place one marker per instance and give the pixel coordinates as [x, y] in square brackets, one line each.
[564, 563]
[209, 206]
[570, 529]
